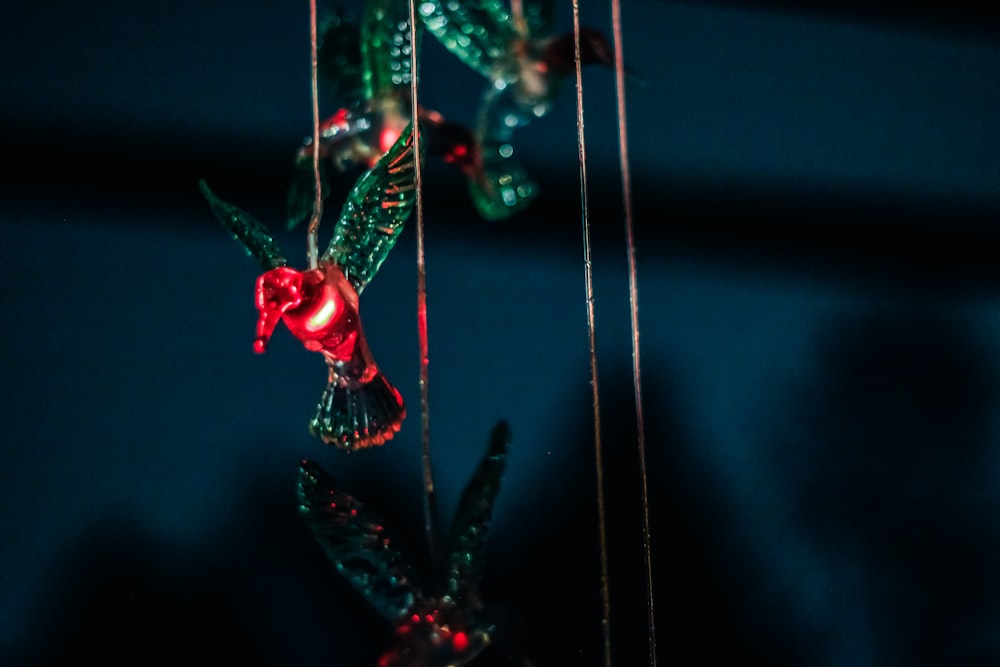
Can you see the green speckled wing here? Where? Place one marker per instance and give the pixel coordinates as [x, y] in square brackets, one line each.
[471, 524]
[353, 538]
[538, 15]
[385, 47]
[503, 188]
[478, 32]
[339, 58]
[301, 200]
[246, 229]
[373, 216]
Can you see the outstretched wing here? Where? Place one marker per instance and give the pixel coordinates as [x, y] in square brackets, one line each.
[373, 216]
[471, 525]
[386, 48]
[538, 17]
[352, 538]
[246, 229]
[339, 60]
[478, 32]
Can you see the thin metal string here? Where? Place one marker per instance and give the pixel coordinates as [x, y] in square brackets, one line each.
[430, 506]
[588, 274]
[312, 240]
[633, 294]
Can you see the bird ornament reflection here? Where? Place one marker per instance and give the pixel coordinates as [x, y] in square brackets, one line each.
[359, 408]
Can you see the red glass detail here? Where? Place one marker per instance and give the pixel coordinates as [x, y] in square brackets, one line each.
[278, 290]
[319, 307]
[338, 121]
[460, 641]
[387, 138]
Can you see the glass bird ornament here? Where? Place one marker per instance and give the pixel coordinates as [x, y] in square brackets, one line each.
[446, 626]
[359, 408]
[367, 67]
[525, 65]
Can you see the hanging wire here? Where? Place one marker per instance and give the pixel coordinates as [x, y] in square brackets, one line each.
[633, 294]
[312, 239]
[430, 505]
[588, 274]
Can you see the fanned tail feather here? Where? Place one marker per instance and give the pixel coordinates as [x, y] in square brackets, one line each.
[357, 417]
[503, 187]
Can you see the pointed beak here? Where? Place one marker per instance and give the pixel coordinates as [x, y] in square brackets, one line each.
[265, 327]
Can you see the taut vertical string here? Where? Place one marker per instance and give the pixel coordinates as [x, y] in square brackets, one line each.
[633, 294]
[430, 506]
[312, 240]
[588, 274]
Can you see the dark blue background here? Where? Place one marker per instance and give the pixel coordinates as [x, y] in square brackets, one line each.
[816, 198]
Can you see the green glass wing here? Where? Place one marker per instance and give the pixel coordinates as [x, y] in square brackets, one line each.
[386, 47]
[339, 58]
[246, 229]
[353, 539]
[374, 214]
[478, 32]
[471, 524]
[502, 187]
[538, 15]
[301, 199]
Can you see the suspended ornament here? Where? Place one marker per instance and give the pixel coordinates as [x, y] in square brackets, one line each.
[367, 67]
[445, 626]
[359, 408]
[525, 65]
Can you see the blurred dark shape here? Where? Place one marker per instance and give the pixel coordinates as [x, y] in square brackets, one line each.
[258, 594]
[552, 574]
[892, 480]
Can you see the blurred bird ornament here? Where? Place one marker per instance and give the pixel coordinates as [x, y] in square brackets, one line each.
[525, 65]
[444, 627]
[359, 408]
[367, 67]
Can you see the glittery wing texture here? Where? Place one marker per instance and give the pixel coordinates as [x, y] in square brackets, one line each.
[504, 187]
[478, 32]
[385, 48]
[374, 214]
[471, 524]
[352, 538]
[302, 190]
[339, 58]
[538, 15]
[340, 64]
[246, 229]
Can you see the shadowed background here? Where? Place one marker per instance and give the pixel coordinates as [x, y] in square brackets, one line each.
[816, 192]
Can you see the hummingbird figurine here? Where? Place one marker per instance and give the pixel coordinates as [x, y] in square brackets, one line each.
[525, 65]
[367, 67]
[445, 626]
[359, 408]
